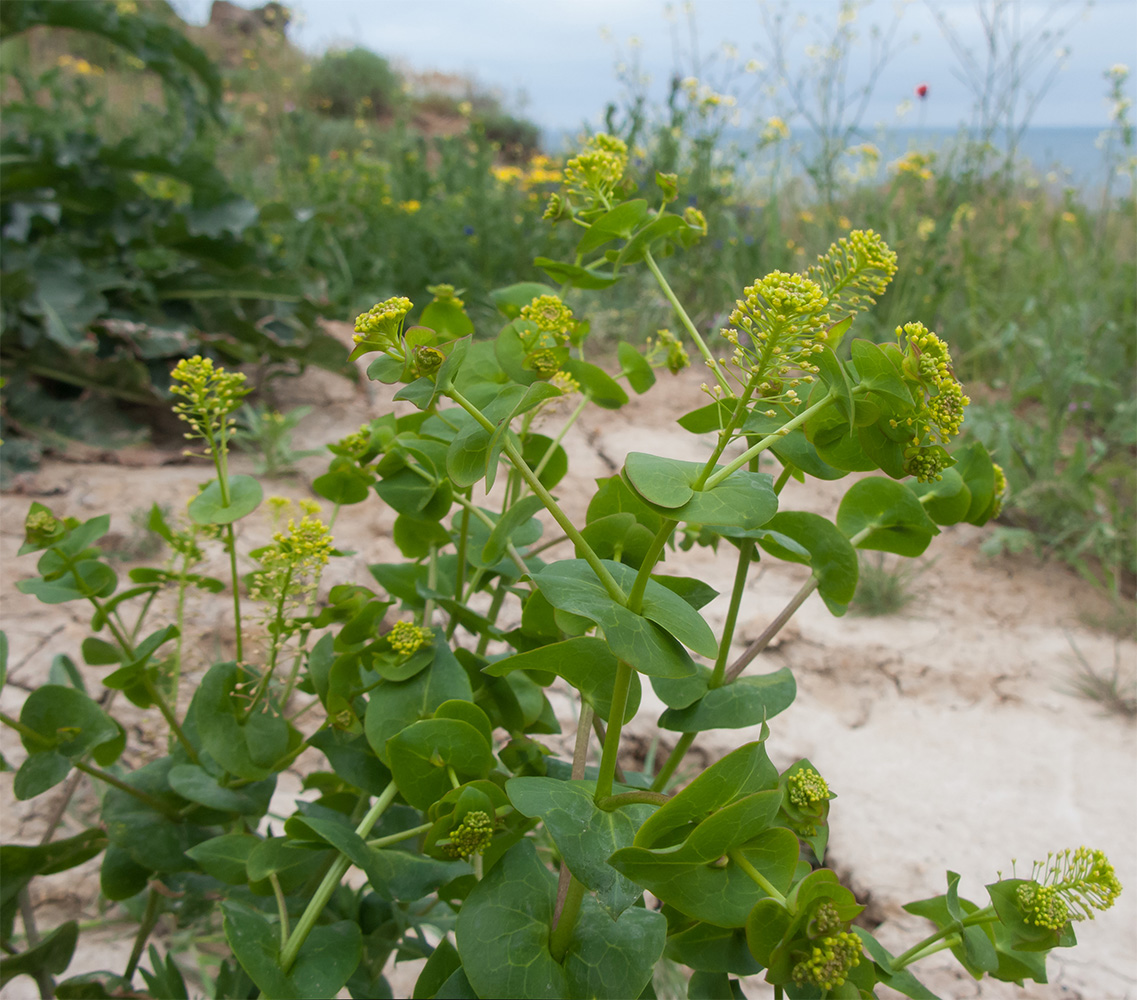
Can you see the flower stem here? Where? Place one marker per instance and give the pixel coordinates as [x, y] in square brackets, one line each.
[760, 446]
[561, 934]
[745, 554]
[681, 313]
[673, 760]
[756, 876]
[231, 544]
[920, 949]
[636, 597]
[613, 802]
[590, 556]
[621, 684]
[330, 882]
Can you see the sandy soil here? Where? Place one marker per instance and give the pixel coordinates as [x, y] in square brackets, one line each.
[950, 734]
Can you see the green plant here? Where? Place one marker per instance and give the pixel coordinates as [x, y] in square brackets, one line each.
[884, 589]
[267, 433]
[358, 81]
[1112, 691]
[437, 786]
[121, 256]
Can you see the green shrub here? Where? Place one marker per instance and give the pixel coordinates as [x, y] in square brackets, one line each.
[343, 84]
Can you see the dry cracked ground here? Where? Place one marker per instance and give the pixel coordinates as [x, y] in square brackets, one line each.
[951, 734]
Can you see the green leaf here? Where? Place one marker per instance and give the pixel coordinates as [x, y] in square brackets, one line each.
[639, 373]
[586, 663]
[445, 316]
[830, 556]
[877, 372]
[326, 960]
[198, 785]
[21, 864]
[38, 773]
[618, 223]
[659, 229]
[605, 391]
[743, 500]
[246, 745]
[441, 965]
[947, 500]
[748, 701]
[225, 857]
[976, 951]
[344, 483]
[503, 938]
[52, 955]
[401, 875]
[574, 274]
[208, 507]
[88, 578]
[890, 513]
[708, 948]
[533, 451]
[293, 865]
[67, 721]
[570, 585]
[584, 834]
[121, 877]
[510, 299]
[99, 653]
[422, 754]
[394, 705]
[836, 380]
[740, 773]
[978, 472]
[720, 894]
[517, 515]
[903, 981]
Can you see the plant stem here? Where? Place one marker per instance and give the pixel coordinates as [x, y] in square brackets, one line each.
[613, 802]
[756, 876]
[673, 760]
[231, 544]
[915, 953]
[460, 570]
[636, 597]
[771, 630]
[168, 714]
[585, 399]
[561, 934]
[681, 313]
[760, 446]
[621, 684]
[330, 882]
[281, 908]
[145, 926]
[396, 838]
[551, 504]
[579, 758]
[745, 554]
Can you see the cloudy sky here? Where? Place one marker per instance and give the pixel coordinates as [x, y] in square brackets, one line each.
[556, 60]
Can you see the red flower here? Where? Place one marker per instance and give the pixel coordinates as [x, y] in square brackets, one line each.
[922, 91]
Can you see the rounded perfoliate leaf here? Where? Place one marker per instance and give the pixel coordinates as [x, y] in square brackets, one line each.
[423, 754]
[208, 507]
[885, 516]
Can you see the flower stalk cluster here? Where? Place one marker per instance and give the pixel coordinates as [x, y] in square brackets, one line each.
[1067, 886]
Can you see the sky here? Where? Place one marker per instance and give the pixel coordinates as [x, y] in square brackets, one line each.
[555, 61]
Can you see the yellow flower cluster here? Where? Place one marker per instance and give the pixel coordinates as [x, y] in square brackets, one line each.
[80, 66]
[407, 638]
[666, 346]
[383, 322]
[592, 175]
[211, 394]
[1068, 885]
[550, 315]
[291, 565]
[472, 835]
[540, 170]
[807, 787]
[829, 962]
[915, 164]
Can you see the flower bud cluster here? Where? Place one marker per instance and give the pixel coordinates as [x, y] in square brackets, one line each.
[939, 413]
[807, 787]
[590, 177]
[472, 836]
[829, 961]
[551, 317]
[854, 271]
[776, 327]
[667, 350]
[407, 638]
[1068, 885]
[211, 394]
[291, 565]
[382, 323]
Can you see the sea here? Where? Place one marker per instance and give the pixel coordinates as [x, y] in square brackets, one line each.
[1058, 157]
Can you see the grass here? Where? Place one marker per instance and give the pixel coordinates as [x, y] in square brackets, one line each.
[1117, 694]
[886, 588]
